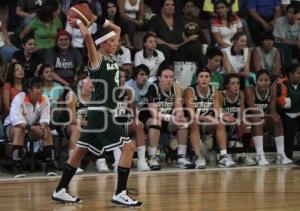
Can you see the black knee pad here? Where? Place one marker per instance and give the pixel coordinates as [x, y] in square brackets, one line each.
[156, 127]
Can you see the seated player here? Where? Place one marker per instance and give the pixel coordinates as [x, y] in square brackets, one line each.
[30, 116]
[233, 104]
[164, 114]
[263, 98]
[204, 108]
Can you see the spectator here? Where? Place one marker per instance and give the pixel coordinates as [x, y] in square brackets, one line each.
[193, 49]
[139, 84]
[26, 9]
[263, 98]
[132, 14]
[12, 86]
[288, 102]
[225, 25]
[189, 17]
[214, 60]
[285, 3]
[267, 57]
[262, 16]
[30, 114]
[6, 48]
[237, 59]
[168, 29]
[44, 26]
[287, 31]
[149, 55]
[160, 117]
[52, 90]
[65, 59]
[209, 6]
[123, 57]
[28, 57]
[202, 102]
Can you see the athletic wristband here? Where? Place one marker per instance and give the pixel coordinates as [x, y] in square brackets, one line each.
[167, 117]
[78, 22]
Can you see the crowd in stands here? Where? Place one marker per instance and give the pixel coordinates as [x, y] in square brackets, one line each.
[246, 55]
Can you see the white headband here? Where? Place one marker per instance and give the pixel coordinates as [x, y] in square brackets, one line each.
[105, 37]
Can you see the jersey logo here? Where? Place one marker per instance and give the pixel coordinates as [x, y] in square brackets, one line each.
[113, 66]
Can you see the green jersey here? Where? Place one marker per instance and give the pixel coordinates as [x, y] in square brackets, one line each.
[105, 78]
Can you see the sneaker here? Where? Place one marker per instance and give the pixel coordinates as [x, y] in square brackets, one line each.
[124, 200]
[226, 161]
[246, 160]
[64, 196]
[183, 162]
[18, 170]
[200, 163]
[101, 165]
[142, 165]
[50, 169]
[153, 163]
[282, 159]
[261, 160]
[79, 171]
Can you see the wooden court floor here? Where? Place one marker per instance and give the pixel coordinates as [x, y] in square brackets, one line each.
[255, 188]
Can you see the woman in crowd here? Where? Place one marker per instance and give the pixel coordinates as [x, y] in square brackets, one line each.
[65, 59]
[28, 57]
[233, 104]
[149, 55]
[44, 26]
[263, 98]
[6, 48]
[132, 14]
[52, 89]
[163, 113]
[226, 25]
[288, 101]
[12, 86]
[204, 107]
[267, 57]
[236, 59]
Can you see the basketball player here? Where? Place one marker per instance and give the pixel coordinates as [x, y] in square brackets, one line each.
[204, 108]
[101, 133]
[163, 113]
[263, 97]
[233, 104]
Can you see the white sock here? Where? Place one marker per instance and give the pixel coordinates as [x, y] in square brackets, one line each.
[152, 151]
[181, 149]
[279, 140]
[259, 147]
[223, 151]
[117, 155]
[141, 150]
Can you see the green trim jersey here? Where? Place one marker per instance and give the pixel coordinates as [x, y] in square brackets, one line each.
[204, 105]
[105, 78]
[262, 103]
[229, 106]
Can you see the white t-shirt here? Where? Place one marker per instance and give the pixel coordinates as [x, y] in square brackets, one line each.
[130, 10]
[124, 57]
[237, 62]
[283, 29]
[77, 39]
[152, 63]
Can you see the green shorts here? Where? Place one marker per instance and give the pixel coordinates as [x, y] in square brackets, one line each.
[102, 133]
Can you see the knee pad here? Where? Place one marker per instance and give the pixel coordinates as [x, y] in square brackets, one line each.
[156, 127]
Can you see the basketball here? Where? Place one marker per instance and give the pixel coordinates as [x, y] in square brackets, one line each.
[83, 13]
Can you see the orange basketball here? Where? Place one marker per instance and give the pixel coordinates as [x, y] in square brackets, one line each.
[83, 13]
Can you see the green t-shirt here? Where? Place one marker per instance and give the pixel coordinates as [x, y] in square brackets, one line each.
[44, 35]
[217, 81]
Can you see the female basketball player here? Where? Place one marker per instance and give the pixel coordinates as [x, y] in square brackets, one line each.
[101, 133]
[204, 109]
[262, 97]
[163, 113]
[233, 104]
